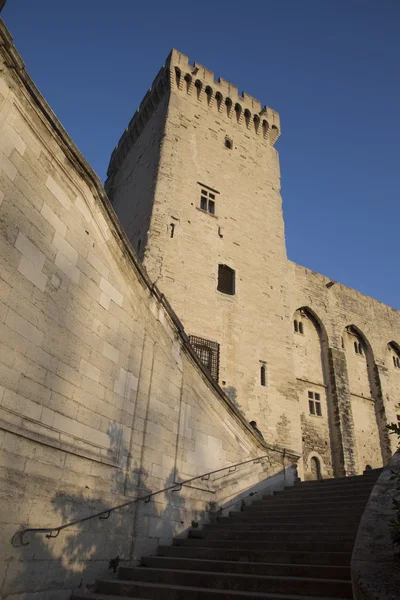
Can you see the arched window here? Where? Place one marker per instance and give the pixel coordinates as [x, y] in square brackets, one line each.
[315, 468]
[228, 103]
[263, 375]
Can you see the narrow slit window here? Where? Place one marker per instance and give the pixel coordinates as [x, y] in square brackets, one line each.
[356, 347]
[263, 375]
[296, 326]
[172, 230]
[226, 280]
[301, 330]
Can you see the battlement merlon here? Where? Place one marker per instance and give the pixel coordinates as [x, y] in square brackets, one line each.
[227, 89]
[264, 121]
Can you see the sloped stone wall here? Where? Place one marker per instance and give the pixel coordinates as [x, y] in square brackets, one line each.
[101, 397]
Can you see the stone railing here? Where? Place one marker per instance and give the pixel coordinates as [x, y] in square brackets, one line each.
[375, 564]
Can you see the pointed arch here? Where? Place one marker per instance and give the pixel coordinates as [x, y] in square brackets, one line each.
[366, 399]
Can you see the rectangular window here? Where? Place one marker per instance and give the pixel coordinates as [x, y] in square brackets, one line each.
[208, 353]
[226, 280]
[207, 201]
[314, 403]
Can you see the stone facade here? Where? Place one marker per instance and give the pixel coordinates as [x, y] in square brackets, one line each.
[102, 398]
[194, 140]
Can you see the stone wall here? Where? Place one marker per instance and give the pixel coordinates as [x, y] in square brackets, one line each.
[102, 399]
[362, 388]
[246, 232]
[375, 563]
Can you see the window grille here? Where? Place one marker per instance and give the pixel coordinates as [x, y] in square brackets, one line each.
[208, 353]
[226, 280]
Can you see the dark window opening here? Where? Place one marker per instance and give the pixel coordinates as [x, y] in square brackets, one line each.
[315, 468]
[208, 353]
[263, 375]
[211, 207]
[311, 394]
[226, 280]
[358, 349]
[172, 230]
[301, 330]
[296, 326]
[317, 396]
[228, 143]
[398, 420]
[311, 407]
[318, 409]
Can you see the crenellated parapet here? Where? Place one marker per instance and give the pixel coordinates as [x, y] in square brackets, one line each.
[199, 83]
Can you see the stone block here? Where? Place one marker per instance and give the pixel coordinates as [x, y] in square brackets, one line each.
[32, 273]
[110, 352]
[30, 251]
[24, 328]
[54, 221]
[67, 267]
[58, 192]
[93, 259]
[111, 291]
[22, 405]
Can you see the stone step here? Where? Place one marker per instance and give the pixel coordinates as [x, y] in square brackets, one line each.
[320, 546]
[273, 529]
[161, 591]
[371, 475]
[329, 487]
[336, 588]
[338, 508]
[257, 555]
[270, 536]
[290, 523]
[309, 517]
[290, 500]
[249, 568]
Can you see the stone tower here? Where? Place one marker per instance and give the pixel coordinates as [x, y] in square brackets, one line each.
[195, 182]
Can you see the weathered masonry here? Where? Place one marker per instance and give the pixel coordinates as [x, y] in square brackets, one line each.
[195, 182]
[102, 397]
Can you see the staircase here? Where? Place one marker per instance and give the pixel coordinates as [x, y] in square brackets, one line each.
[295, 545]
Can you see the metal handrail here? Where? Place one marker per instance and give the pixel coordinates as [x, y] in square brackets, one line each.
[53, 532]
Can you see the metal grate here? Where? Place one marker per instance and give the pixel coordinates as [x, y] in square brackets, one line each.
[208, 353]
[226, 280]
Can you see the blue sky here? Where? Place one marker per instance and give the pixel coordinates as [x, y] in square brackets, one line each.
[329, 67]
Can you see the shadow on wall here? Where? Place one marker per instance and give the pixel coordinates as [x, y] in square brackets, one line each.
[50, 569]
[231, 392]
